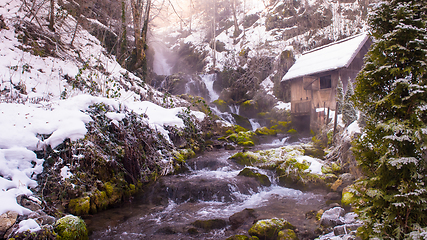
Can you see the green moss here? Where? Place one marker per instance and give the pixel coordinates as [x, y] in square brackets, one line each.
[108, 189]
[238, 129]
[347, 198]
[262, 114]
[183, 154]
[326, 169]
[233, 137]
[71, 227]
[336, 167]
[79, 206]
[261, 178]
[229, 132]
[287, 234]
[98, 201]
[292, 131]
[265, 131]
[246, 143]
[238, 237]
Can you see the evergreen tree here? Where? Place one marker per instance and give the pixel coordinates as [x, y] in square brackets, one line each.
[392, 152]
[349, 113]
[340, 96]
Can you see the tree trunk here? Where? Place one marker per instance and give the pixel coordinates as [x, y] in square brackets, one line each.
[52, 16]
[214, 37]
[236, 26]
[140, 29]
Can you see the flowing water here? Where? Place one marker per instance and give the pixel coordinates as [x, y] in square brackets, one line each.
[210, 189]
[209, 80]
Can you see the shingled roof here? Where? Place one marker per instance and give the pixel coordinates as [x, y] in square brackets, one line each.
[329, 57]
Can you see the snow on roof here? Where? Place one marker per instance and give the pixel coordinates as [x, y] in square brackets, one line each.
[326, 58]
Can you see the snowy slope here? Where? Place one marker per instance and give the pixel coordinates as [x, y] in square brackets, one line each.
[43, 98]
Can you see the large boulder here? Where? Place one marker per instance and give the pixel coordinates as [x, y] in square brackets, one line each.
[71, 227]
[269, 229]
[242, 218]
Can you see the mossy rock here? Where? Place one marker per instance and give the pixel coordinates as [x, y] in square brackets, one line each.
[79, 206]
[261, 178]
[244, 158]
[242, 121]
[287, 234]
[266, 131]
[246, 138]
[109, 188]
[330, 177]
[232, 137]
[184, 154]
[269, 228]
[71, 227]
[221, 105]
[292, 173]
[98, 201]
[249, 108]
[210, 224]
[314, 152]
[242, 237]
[114, 193]
[246, 144]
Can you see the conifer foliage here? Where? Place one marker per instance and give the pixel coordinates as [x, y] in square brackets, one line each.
[349, 113]
[340, 96]
[392, 91]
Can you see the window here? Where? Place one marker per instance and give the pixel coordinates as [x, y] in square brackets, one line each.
[325, 82]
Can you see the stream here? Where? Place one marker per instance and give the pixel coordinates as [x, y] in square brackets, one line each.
[210, 189]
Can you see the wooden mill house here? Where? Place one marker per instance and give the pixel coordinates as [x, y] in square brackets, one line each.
[314, 77]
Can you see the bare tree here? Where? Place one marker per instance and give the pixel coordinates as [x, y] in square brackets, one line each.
[140, 25]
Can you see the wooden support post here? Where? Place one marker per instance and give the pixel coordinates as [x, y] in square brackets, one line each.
[324, 106]
[335, 122]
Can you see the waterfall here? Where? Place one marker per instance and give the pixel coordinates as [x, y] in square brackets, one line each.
[187, 86]
[209, 80]
[255, 124]
[235, 109]
[224, 115]
[161, 65]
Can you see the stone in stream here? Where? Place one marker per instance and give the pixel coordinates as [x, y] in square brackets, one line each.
[273, 229]
[245, 217]
[332, 217]
[261, 178]
[346, 228]
[211, 224]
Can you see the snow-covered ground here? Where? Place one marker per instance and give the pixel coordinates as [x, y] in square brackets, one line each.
[46, 110]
